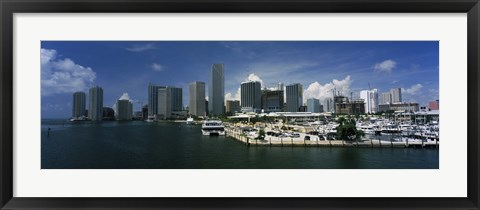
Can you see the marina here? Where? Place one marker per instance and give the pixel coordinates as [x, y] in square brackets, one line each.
[312, 129]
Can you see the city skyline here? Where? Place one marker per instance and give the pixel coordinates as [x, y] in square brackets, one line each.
[120, 67]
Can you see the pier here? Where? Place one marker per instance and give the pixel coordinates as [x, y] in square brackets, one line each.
[315, 141]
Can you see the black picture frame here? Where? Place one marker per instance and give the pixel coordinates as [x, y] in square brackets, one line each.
[10, 7]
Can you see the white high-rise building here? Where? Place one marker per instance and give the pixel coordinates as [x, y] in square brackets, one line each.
[196, 103]
[251, 96]
[396, 95]
[216, 90]
[386, 98]
[95, 108]
[78, 105]
[370, 97]
[294, 97]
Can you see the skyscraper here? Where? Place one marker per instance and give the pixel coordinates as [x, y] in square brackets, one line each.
[370, 97]
[177, 99]
[294, 97]
[313, 105]
[197, 99]
[124, 110]
[396, 95]
[78, 105]
[386, 98]
[232, 106]
[272, 100]
[153, 100]
[251, 96]
[164, 103]
[95, 108]
[216, 90]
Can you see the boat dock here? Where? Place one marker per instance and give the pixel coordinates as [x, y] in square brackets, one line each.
[315, 141]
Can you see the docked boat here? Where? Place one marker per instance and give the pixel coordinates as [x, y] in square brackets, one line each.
[82, 118]
[190, 121]
[213, 127]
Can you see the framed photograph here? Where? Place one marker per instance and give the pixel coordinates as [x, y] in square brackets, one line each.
[239, 105]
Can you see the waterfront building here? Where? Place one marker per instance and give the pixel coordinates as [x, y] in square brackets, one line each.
[95, 108]
[396, 94]
[405, 107]
[153, 100]
[272, 100]
[78, 105]
[216, 90]
[371, 100]
[386, 98]
[164, 103]
[232, 106]
[177, 99]
[197, 103]
[250, 96]
[294, 94]
[302, 108]
[124, 110]
[328, 105]
[344, 106]
[145, 112]
[434, 105]
[108, 114]
[313, 105]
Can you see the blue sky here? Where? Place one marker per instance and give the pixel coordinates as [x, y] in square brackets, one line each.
[127, 67]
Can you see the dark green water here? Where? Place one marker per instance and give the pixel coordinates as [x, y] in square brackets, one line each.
[141, 145]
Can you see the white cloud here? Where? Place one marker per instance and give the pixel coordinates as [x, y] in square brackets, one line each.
[385, 66]
[413, 90]
[319, 91]
[157, 67]
[63, 75]
[141, 47]
[230, 96]
[125, 96]
[254, 78]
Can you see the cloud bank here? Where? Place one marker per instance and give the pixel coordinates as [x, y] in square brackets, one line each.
[63, 75]
[319, 91]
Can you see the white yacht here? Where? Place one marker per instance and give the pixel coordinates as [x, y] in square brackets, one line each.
[190, 121]
[213, 127]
